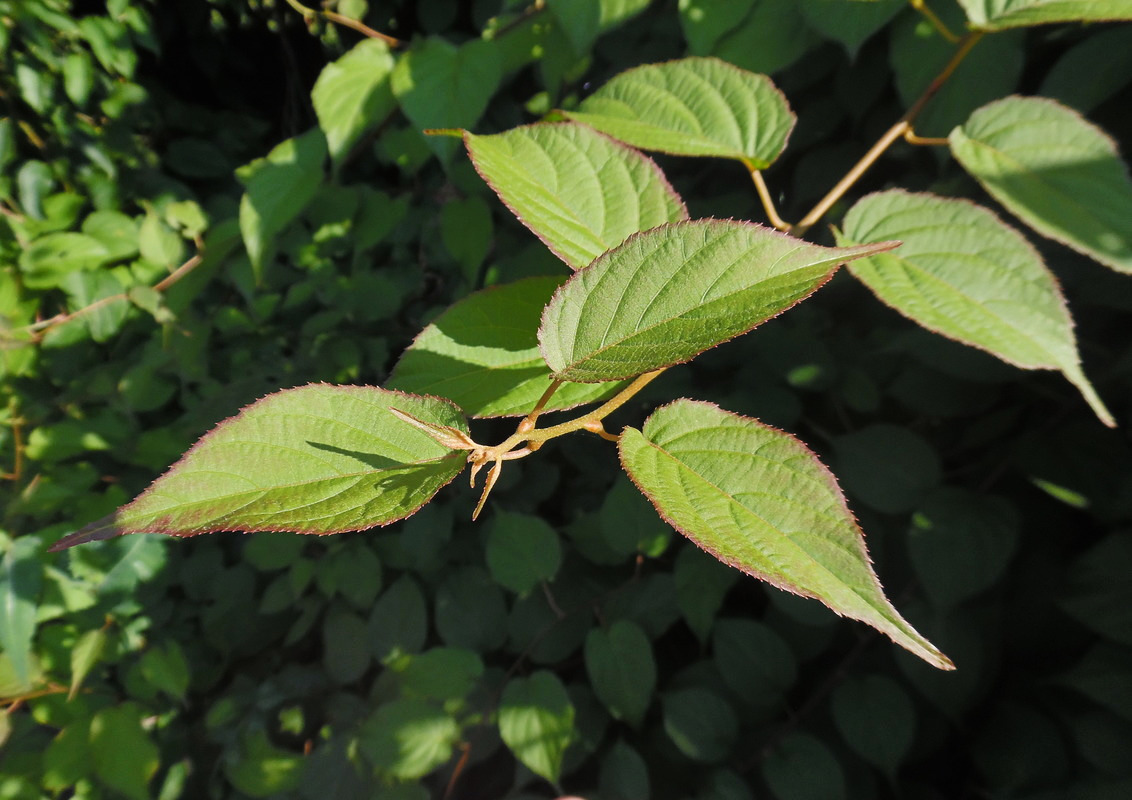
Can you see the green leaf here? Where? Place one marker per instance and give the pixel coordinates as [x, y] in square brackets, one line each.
[21, 578]
[754, 662]
[440, 85]
[759, 500]
[849, 23]
[399, 622]
[1055, 171]
[346, 653]
[995, 15]
[624, 774]
[408, 738]
[84, 655]
[536, 722]
[522, 550]
[116, 231]
[960, 543]
[279, 187]
[124, 757]
[471, 611]
[887, 467]
[705, 22]
[1091, 71]
[700, 723]
[317, 459]
[258, 768]
[1099, 589]
[771, 37]
[49, 259]
[160, 244]
[669, 294]
[165, 667]
[622, 670]
[579, 191]
[583, 20]
[693, 107]
[352, 96]
[482, 353]
[466, 229]
[876, 718]
[965, 274]
[701, 584]
[801, 767]
[442, 673]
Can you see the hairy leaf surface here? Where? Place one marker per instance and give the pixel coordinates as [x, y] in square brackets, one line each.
[1055, 171]
[965, 274]
[668, 294]
[579, 191]
[693, 107]
[759, 500]
[482, 353]
[316, 459]
[993, 15]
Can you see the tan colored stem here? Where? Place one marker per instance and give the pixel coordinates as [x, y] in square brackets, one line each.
[767, 201]
[339, 19]
[936, 22]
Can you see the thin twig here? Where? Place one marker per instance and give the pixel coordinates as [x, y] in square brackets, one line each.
[927, 141]
[768, 202]
[897, 131]
[310, 14]
[936, 22]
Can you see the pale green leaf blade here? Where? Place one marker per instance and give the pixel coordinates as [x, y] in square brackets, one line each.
[693, 107]
[122, 754]
[84, 655]
[579, 191]
[963, 273]
[279, 187]
[536, 722]
[667, 295]
[317, 459]
[482, 353]
[994, 15]
[440, 85]
[759, 500]
[1058, 173]
[408, 737]
[352, 96]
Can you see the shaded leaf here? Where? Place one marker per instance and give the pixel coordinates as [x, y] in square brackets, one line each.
[622, 669]
[705, 22]
[849, 23]
[536, 722]
[771, 37]
[1099, 588]
[1055, 171]
[693, 107]
[440, 85]
[963, 273]
[278, 188]
[521, 551]
[482, 353]
[442, 673]
[887, 467]
[21, 578]
[352, 96]
[84, 655]
[1093, 70]
[754, 661]
[399, 622]
[123, 756]
[802, 767]
[877, 719]
[317, 459]
[993, 15]
[700, 723]
[579, 191]
[667, 295]
[759, 500]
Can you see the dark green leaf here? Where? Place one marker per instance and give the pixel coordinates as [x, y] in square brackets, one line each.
[700, 723]
[801, 767]
[521, 551]
[876, 718]
[622, 670]
[346, 653]
[399, 622]
[887, 467]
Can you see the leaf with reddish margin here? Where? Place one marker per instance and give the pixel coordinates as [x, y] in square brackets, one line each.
[316, 459]
[758, 499]
[578, 190]
[667, 295]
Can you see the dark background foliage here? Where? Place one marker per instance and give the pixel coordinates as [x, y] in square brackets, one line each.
[997, 509]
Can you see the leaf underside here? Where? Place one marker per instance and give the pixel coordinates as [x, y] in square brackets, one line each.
[759, 500]
[669, 294]
[579, 191]
[993, 15]
[693, 107]
[1055, 171]
[317, 459]
[963, 273]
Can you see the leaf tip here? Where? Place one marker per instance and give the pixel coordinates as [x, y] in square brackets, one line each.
[105, 528]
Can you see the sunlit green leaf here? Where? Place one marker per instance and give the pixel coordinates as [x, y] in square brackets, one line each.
[963, 273]
[521, 551]
[440, 85]
[124, 757]
[260, 769]
[622, 670]
[669, 294]
[21, 578]
[482, 353]
[1055, 171]
[536, 722]
[995, 15]
[408, 737]
[316, 459]
[759, 500]
[693, 107]
[49, 259]
[85, 654]
[352, 96]
[579, 191]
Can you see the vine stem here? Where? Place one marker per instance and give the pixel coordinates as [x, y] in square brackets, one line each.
[767, 201]
[936, 22]
[900, 130]
[345, 22]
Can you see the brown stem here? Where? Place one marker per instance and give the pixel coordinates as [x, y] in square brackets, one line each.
[936, 22]
[339, 19]
[768, 202]
[897, 131]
